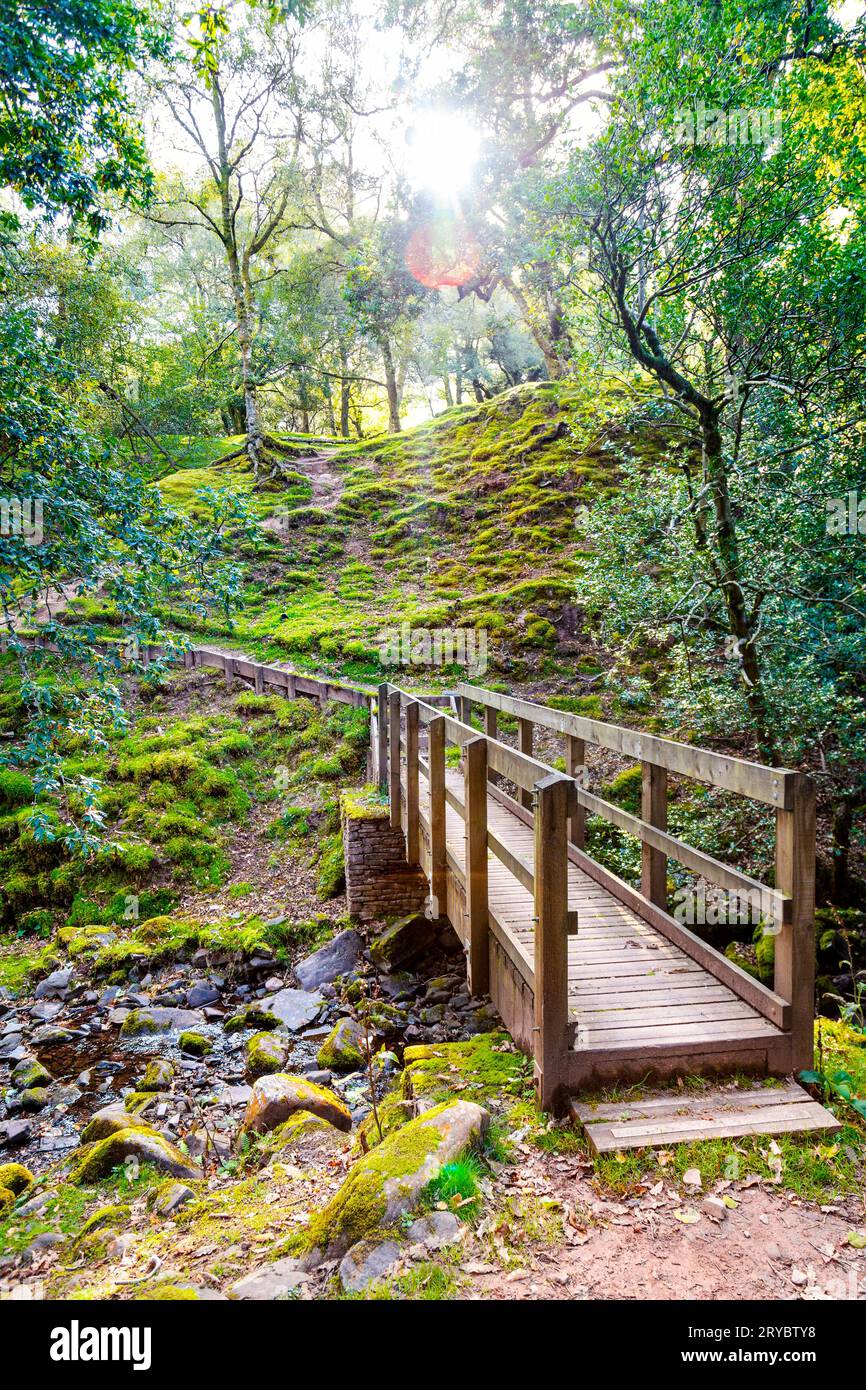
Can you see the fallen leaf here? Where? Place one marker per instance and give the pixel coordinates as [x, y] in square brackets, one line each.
[687, 1215]
[857, 1239]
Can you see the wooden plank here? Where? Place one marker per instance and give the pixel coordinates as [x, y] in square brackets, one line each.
[696, 1033]
[475, 775]
[654, 811]
[677, 1104]
[795, 942]
[766, 901]
[412, 824]
[551, 938]
[662, 1014]
[522, 872]
[768, 784]
[789, 1119]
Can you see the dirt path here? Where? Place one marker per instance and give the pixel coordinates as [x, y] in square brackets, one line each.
[770, 1245]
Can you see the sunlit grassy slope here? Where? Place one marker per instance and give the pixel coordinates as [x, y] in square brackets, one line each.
[472, 520]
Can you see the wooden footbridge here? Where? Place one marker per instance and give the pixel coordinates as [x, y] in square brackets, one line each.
[594, 978]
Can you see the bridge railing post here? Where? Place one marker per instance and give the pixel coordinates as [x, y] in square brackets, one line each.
[525, 744]
[413, 817]
[475, 813]
[654, 810]
[794, 969]
[575, 766]
[436, 786]
[382, 737]
[394, 758]
[551, 939]
[491, 730]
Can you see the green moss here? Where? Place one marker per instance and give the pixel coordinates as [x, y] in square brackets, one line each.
[485, 1069]
[113, 1216]
[342, 1050]
[16, 787]
[264, 1054]
[15, 1177]
[197, 1044]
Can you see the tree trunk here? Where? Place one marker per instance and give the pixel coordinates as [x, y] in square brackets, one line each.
[345, 392]
[449, 399]
[742, 627]
[391, 386]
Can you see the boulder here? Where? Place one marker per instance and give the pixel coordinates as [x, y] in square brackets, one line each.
[278, 1096]
[388, 1181]
[54, 985]
[157, 1020]
[16, 1177]
[142, 1145]
[35, 1098]
[402, 941]
[280, 1280]
[51, 1035]
[158, 1076]
[344, 1049]
[252, 1017]
[338, 957]
[29, 1073]
[111, 1119]
[296, 1008]
[201, 993]
[265, 1054]
[366, 1262]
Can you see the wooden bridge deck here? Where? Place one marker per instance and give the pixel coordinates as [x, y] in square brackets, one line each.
[630, 989]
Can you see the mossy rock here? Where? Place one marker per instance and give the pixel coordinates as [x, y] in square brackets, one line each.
[277, 1097]
[29, 1073]
[7, 1199]
[197, 1044]
[138, 1101]
[344, 1049]
[111, 1119]
[16, 1177]
[167, 1293]
[265, 1053]
[488, 1069]
[158, 1075]
[142, 1146]
[35, 1098]
[388, 1181]
[110, 1216]
[253, 1017]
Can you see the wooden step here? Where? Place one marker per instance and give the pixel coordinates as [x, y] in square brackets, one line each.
[719, 1113]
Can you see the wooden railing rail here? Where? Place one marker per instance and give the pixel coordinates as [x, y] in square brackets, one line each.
[789, 905]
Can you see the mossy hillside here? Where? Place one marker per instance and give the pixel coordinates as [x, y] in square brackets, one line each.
[174, 787]
[470, 520]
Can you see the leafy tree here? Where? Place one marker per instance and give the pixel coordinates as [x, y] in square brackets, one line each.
[68, 135]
